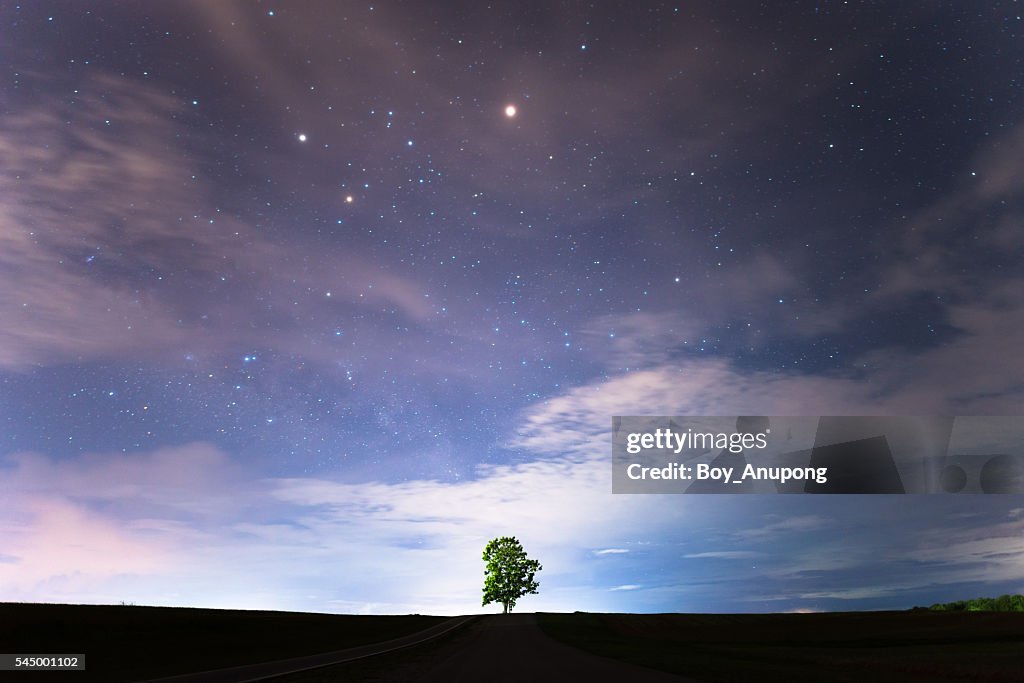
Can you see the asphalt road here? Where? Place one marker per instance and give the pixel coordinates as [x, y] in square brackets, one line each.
[512, 647]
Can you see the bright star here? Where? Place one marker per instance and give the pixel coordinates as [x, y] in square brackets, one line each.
[349, 199]
[510, 111]
[302, 137]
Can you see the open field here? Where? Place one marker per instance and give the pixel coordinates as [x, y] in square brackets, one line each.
[850, 646]
[499, 648]
[135, 643]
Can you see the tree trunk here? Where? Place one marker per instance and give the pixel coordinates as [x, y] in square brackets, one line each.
[505, 606]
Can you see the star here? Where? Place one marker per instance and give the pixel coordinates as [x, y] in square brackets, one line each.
[510, 111]
[302, 137]
[349, 199]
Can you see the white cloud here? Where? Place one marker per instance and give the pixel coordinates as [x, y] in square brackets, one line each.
[800, 523]
[188, 525]
[125, 527]
[725, 555]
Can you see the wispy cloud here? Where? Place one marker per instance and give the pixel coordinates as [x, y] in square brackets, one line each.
[108, 231]
[725, 555]
[116, 526]
[799, 523]
[111, 527]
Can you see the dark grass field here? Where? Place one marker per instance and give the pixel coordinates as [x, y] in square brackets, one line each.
[849, 646]
[137, 643]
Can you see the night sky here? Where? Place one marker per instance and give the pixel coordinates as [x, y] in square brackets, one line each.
[303, 302]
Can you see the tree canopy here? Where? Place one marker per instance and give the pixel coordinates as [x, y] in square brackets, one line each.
[1004, 603]
[509, 573]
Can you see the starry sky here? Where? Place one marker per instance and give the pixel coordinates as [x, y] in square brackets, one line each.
[303, 302]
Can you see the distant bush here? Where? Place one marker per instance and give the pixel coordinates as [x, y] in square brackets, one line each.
[1004, 603]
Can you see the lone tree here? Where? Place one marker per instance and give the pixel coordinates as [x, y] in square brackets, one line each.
[509, 573]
